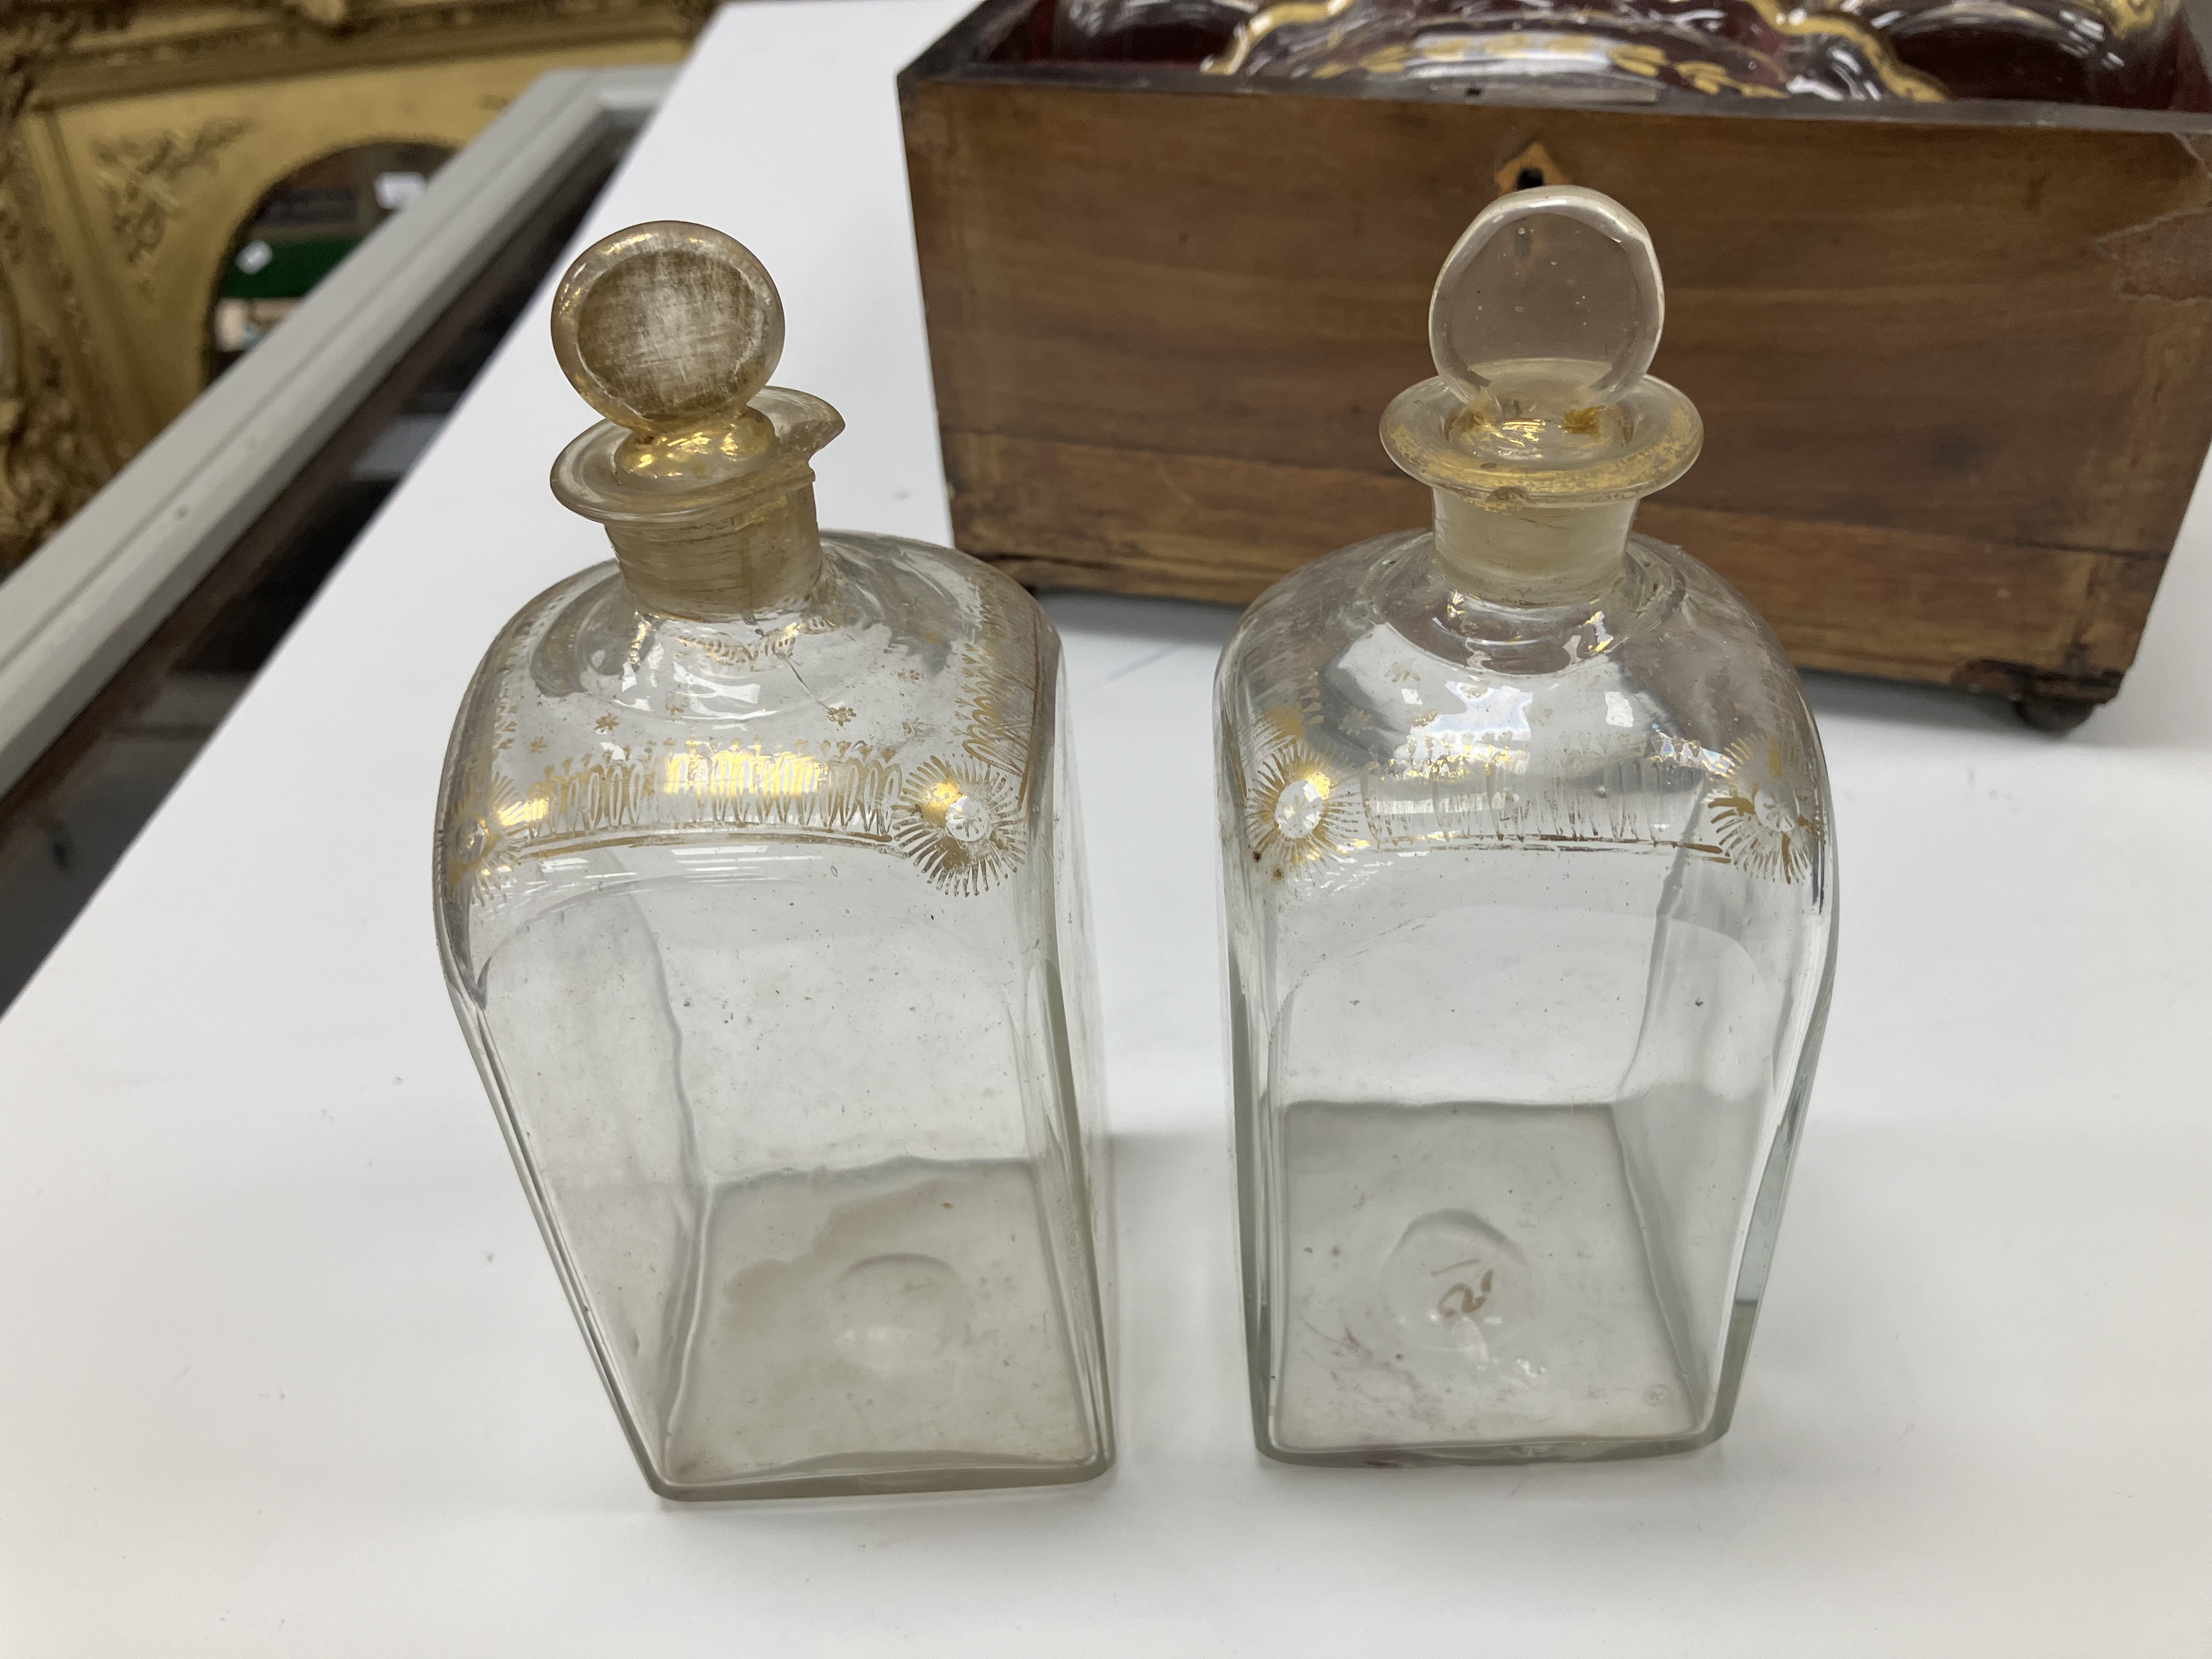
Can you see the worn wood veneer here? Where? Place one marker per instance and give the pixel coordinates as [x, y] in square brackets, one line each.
[1956, 366]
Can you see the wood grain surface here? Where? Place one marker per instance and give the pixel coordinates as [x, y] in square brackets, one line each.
[1956, 374]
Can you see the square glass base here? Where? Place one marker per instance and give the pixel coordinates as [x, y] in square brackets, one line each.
[1467, 1283]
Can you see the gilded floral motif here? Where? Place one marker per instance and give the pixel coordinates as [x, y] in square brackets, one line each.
[476, 855]
[1763, 816]
[1299, 809]
[961, 824]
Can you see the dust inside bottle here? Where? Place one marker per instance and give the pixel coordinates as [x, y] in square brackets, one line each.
[763, 909]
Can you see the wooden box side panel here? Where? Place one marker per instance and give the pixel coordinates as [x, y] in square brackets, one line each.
[1993, 343]
[2019, 620]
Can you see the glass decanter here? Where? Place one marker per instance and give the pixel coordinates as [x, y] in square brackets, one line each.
[2124, 52]
[761, 902]
[1530, 901]
[1744, 48]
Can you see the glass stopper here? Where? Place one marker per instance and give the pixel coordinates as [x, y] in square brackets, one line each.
[668, 328]
[1542, 324]
[1549, 305]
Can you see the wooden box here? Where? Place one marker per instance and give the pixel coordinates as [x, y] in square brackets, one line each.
[1955, 360]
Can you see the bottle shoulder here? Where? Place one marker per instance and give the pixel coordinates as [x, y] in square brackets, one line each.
[1374, 644]
[907, 703]
[885, 609]
[1366, 706]
[886, 651]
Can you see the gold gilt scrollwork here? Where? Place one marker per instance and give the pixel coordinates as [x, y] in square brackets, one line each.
[50, 462]
[47, 469]
[1799, 22]
[138, 175]
[1793, 22]
[1264, 22]
[119, 191]
[32, 35]
[1708, 78]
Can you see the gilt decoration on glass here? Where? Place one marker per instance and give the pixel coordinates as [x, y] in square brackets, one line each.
[1602, 48]
[2131, 53]
[1529, 875]
[760, 902]
[2135, 54]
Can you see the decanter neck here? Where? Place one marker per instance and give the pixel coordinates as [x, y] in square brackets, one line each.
[1542, 427]
[762, 558]
[1529, 556]
[700, 471]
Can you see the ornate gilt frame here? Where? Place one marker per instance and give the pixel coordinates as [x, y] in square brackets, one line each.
[138, 136]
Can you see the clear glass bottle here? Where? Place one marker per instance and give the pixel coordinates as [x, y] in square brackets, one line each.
[760, 900]
[1530, 900]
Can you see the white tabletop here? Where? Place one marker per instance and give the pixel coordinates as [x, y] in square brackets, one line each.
[286, 1369]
